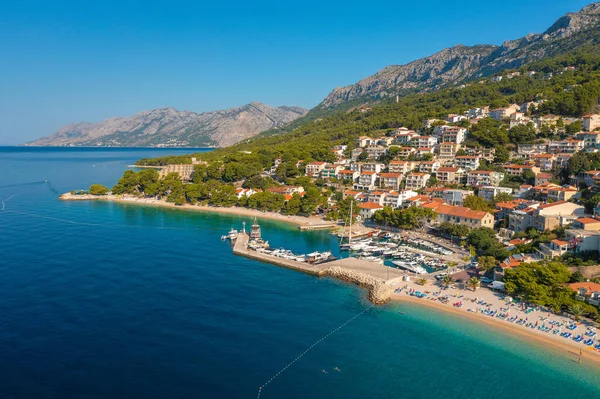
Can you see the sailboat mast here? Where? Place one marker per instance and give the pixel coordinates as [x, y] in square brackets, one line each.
[350, 230]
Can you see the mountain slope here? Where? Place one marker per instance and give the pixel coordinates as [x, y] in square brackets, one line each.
[459, 63]
[170, 127]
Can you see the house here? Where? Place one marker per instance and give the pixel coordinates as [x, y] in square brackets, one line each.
[401, 166]
[532, 149]
[460, 215]
[396, 199]
[429, 166]
[496, 79]
[454, 118]
[184, 171]
[346, 174]
[560, 213]
[590, 139]
[541, 178]
[449, 175]
[245, 192]
[586, 291]
[484, 153]
[504, 209]
[315, 168]
[467, 162]
[404, 138]
[447, 152]
[417, 181]
[517, 170]
[477, 178]
[562, 160]
[390, 180]
[520, 219]
[589, 123]
[368, 209]
[478, 112]
[502, 113]
[423, 141]
[372, 167]
[287, 190]
[376, 151]
[561, 193]
[455, 197]
[586, 223]
[377, 197]
[366, 181]
[489, 192]
[363, 141]
[553, 248]
[543, 161]
[331, 171]
[417, 200]
[565, 146]
[406, 152]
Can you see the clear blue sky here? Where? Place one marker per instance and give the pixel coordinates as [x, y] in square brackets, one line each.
[70, 61]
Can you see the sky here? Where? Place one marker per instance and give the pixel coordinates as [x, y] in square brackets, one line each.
[72, 61]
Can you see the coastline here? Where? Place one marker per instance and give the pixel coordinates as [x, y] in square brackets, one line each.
[301, 221]
[563, 347]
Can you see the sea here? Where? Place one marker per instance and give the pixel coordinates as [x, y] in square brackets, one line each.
[105, 300]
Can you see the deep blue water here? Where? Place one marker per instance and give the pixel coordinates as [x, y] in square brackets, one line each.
[102, 300]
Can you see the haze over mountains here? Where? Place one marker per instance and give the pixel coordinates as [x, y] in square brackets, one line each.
[451, 66]
[173, 128]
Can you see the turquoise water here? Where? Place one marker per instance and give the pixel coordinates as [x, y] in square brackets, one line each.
[106, 300]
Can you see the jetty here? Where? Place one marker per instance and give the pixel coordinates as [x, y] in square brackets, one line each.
[377, 278]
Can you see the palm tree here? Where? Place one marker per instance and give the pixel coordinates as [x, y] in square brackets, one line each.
[447, 280]
[422, 281]
[577, 310]
[474, 283]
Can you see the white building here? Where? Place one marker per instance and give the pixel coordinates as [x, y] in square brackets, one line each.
[417, 181]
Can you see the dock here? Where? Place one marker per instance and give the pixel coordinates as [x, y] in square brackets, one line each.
[321, 226]
[379, 279]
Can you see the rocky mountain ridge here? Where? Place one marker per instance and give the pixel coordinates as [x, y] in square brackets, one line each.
[459, 63]
[170, 127]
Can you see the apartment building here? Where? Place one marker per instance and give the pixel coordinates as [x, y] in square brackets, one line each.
[417, 180]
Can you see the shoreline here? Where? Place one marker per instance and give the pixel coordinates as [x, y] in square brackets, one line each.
[300, 221]
[563, 347]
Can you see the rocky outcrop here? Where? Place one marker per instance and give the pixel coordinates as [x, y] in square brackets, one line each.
[379, 291]
[170, 127]
[459, 63]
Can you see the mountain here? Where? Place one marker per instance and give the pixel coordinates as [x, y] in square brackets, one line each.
[170, 127]
[460, 63]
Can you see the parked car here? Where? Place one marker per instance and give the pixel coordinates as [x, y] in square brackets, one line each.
[486, 280]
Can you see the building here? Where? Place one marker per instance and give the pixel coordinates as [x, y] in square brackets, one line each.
[532, 149]
[368, 209]
[404, 138]
[477, 178]
[460, 215]
[467, 162]
[184, 171]
[377, 197]
[489, 192]
[565, 146]
[366, 181]
[447, 152]
[542, 178]
[550, 216]
[455, 197]
[376, 151]
[517, 170]
[402, 166]
[589, 123]
[417, 181]
[423, 141]
[454, 134]
[390, 180]
[363, 141]
[315, 168]
[348, 175]
[586, 223]
[543, 161]
[586, 291]
[502, 113]
[406, 152]
[331, 171]
[429, 166]
[449, 175]
[561, 193]
[396, 199]
[590, 139]
[372, 167]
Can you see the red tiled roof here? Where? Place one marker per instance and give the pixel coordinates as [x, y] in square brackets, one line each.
[370, 205]
[589, 286]
[390, 175]
[560, 242]
[448, 169]
[587, 220]
[544, 206]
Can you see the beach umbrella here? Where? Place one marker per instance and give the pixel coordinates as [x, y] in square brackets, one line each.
[508, 299]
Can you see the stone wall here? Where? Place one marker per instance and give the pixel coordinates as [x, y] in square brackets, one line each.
[379, 291]
[586, 271]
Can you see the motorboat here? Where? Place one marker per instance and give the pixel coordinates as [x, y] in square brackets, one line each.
[410, 266]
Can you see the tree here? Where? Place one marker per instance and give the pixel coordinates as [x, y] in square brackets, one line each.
[576, 310]
[503, 197]
[476, 203]
[447, 280]
[486, 244]
[98, 189]
[473, 283]
[573, 127]
[422, 281]
[486, 262]
[311, 200]
[579, 162]
[293, 206]
[540, 283]
[522, 134]
[528, 176]
[363, 156]
[410, 218]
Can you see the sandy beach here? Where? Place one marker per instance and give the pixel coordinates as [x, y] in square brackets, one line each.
[563, 346]
[313, 221]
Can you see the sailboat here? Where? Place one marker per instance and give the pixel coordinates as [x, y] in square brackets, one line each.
[348, 246]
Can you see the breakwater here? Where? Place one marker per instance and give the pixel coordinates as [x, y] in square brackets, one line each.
[376, 278]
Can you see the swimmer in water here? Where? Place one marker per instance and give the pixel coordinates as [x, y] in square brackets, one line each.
[323, 371]
[336, 369]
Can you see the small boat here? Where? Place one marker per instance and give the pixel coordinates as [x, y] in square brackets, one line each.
[410, 266]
